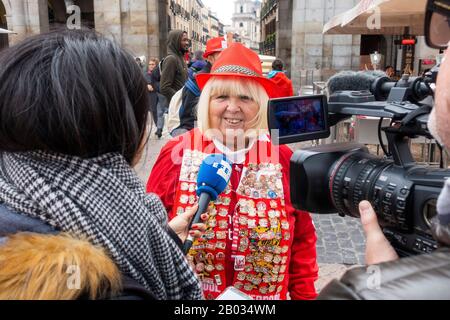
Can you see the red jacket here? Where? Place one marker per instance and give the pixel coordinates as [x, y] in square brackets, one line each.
[283, 83]
[303, 269]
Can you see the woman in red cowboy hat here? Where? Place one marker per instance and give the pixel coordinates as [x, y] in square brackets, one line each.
[255, 240]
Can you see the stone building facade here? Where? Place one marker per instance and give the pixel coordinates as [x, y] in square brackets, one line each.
[292, 31]
[246, 22]
[140, 26]
[324, 55]
[269, 20]
[134, 24]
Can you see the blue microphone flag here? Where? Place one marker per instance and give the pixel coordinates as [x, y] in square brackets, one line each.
[214, 175]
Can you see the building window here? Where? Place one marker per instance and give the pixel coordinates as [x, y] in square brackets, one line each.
[241, 25]
[242, 9]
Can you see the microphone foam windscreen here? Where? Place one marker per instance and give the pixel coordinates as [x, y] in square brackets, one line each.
[353, 81]
[214, 175]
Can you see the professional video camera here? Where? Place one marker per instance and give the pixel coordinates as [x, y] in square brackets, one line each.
[337, 177]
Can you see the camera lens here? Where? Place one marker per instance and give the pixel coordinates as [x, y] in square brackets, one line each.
[352, 180]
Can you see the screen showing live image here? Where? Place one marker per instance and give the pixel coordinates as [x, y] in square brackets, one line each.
[299, 116]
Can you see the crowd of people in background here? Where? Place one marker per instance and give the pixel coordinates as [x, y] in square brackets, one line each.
[171, 82]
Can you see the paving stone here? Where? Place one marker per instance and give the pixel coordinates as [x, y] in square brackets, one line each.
[346, 244]
[343, 235]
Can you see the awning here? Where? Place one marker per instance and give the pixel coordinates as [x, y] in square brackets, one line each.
[5, 31]
[395, 16]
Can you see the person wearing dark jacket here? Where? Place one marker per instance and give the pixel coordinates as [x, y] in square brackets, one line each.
[174, 70]
[153, 88]
[161, 104]
[424, 276]
[67, 147]
[191, 91]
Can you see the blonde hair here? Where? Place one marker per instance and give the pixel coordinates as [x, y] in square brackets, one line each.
[233, 86]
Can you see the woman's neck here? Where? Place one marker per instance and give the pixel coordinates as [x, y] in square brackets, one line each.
[236, 143]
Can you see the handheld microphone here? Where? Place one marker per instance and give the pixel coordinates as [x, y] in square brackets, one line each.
[213, 177]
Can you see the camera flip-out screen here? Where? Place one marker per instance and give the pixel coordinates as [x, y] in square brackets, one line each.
[298, 119]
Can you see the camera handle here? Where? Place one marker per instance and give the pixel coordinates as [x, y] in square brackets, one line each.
[398, 137]
[399, 147]
[335, 118]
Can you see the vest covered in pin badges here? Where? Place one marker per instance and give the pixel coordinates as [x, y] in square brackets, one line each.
[260, 234]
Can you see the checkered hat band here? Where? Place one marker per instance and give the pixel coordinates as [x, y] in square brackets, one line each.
[236, 69]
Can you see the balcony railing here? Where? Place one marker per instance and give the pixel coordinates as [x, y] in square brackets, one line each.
[268, 7]
[268, 46]
[177, 9]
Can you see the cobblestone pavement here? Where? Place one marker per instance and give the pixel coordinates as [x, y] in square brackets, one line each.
[340, 241]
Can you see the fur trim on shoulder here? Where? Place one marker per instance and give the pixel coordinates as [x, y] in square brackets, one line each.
[55, 267]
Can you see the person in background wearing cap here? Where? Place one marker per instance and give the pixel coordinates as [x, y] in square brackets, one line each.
[255, 240]
[191, 91]
[196, 64]
[283, 83]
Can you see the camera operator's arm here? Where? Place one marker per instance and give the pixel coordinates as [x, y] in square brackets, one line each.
[378, 248]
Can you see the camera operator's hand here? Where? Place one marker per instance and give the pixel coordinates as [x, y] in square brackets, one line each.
[378, 248]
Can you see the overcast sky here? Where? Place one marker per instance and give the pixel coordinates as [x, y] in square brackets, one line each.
[223, 9]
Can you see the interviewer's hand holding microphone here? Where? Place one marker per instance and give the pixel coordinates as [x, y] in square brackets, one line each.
[213, 177]
[180, 224]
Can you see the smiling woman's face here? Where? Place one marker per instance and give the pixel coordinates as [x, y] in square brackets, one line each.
[233, 110]
[229, 113]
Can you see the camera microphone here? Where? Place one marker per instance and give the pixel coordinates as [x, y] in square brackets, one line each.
[213, 177]
[374, 81]
[413, 89]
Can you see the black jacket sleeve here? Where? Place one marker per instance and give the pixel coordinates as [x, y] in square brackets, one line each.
[168, 74]
[156, 78]
[420, 277]
[188, 112]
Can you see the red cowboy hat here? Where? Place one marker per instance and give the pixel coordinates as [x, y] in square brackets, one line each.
[241, 62]
[215, 45]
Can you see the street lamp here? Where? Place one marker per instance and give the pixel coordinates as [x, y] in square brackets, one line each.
[375, 59]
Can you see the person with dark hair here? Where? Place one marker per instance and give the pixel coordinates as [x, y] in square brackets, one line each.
[277, 65]
[283, 83]
[174, 69]
[196, 64]
[140, 63]
[390, 72]
[74, 109]
[173, 72]
[153, 87]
